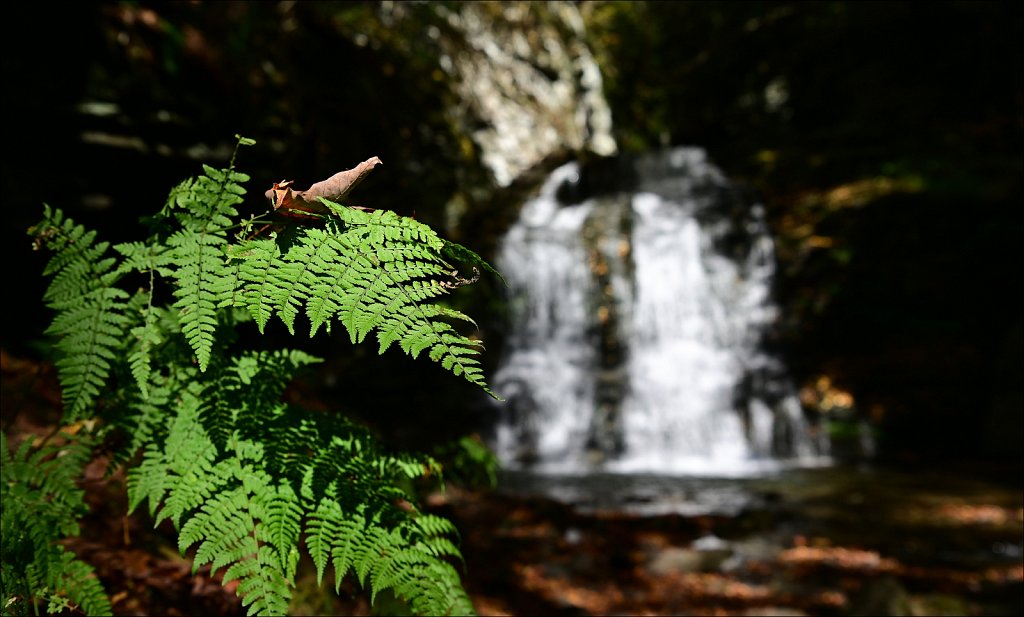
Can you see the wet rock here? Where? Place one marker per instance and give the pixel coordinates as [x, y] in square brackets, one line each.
[939, 604]
[882, 597]
[755, 548]
[674, 559]
[774, 611]
[705, 555]
[529, 84]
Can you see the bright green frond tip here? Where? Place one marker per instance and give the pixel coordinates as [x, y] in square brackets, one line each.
[461, 254]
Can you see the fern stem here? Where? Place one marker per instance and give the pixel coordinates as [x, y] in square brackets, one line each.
[29, 597]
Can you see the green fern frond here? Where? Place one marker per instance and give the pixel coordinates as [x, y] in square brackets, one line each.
[79, 582]
[139, 421]
[47, 474]
[238, 528]
[76, 263]
[203, 280]
[408, 559]
[189, 457]
[432, 526]
[414, 571]
[146, 257]
[292, 276]
[150, 258]
[263, 589]
[90, 323]
[146, 482]
[255, 258]
[182, 470]
[40, 505]
[284, 526]
[325, 525]
[246, 391]
[200, 263]
[89, 331]
[223, 527]
[372, 546]
[251, 522]
[370, 271]
[460, 254]
[144, 338]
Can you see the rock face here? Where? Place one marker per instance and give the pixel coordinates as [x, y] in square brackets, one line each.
[528, 84]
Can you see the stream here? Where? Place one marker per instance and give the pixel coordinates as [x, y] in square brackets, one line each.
[837, 540]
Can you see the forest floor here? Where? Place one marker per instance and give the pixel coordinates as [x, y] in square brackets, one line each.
[880, 545]
[536, 556]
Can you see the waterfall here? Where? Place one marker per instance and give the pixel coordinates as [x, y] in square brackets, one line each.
[637, 318]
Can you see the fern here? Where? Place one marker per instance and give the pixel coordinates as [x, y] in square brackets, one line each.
[197, 250]
[245, 503]
[234, 528]
[40, 506]
[370, 271]
[90, 324]
[246, 479]
[149, 259]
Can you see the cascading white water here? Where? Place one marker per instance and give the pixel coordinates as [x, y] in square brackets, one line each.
[637, 320]
[547, 374]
